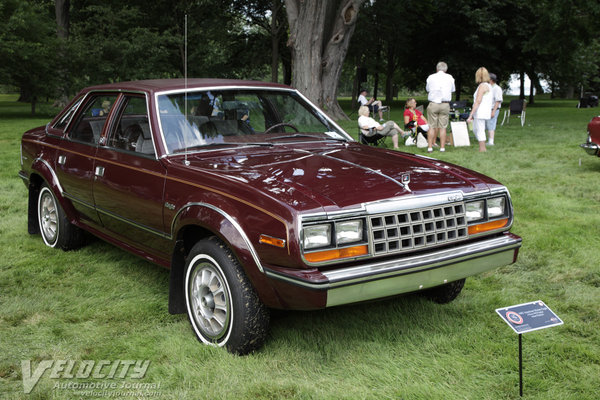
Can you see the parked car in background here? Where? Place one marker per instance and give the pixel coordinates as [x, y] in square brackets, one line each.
[592, 144]
[255, 199]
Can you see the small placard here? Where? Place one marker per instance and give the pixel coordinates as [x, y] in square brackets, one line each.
[529, 317]
[460, 134]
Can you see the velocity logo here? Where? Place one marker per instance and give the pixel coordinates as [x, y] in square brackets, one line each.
[85, 369]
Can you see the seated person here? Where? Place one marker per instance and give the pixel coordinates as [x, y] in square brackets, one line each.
[372, 104]
[414, 119]
[105, 109]
[130, 136]
[365, 123]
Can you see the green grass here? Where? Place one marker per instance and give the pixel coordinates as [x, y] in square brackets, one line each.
[102, 303]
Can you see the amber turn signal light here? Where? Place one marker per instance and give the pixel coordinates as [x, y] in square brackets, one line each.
[335, 254]
[265, 239]
[487, 226]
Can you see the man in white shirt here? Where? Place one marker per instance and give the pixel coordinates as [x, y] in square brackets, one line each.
[372, 104]
[390, 128]
[439, 93]
[490, 124]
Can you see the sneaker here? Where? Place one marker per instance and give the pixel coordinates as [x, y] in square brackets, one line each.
[381, 119]
[443, 149]
[429, 150]
[489, 143]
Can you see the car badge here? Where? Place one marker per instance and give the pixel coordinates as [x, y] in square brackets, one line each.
[406, 180]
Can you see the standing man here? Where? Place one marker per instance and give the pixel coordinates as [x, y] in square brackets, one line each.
[490, 124]
[439, 93]
[372, 104]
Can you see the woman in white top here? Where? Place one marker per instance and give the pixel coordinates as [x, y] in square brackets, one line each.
[482, 106]
[389, 128]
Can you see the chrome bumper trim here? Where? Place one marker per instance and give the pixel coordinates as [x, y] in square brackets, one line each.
[23, 175]
[409, 274]
[418, 263]
[590, 148]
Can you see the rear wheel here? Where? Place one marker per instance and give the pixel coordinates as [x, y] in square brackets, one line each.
[445, 293]
[222, 306]
[55, 228]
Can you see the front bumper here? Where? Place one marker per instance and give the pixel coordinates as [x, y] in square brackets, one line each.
[402, 275]
[590, 148]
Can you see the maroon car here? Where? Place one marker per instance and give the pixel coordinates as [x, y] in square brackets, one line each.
[592, 144]
[255, 199]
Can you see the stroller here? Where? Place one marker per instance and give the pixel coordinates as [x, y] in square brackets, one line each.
[417, 135]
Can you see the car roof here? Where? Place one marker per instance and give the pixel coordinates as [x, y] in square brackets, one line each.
[162, 85]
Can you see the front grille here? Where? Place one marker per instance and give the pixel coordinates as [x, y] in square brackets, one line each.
[414, 229]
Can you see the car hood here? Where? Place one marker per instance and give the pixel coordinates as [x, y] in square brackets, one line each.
[336, 176]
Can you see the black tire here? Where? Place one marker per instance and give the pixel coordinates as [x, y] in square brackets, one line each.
[222, 306]
[445, 293]
[55, 228]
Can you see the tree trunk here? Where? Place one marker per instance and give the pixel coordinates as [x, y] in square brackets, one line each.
[377, 64]
[320, 33]
[61, 9]
[286, 64]
[274, 58]
[355, 83]
[535, 86]
[458, 86]
[389, 74]
[522, 89]
[275, 32]
[531, 92]
[33, 104]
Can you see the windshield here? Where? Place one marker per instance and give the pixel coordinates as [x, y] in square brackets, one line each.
[240, 117]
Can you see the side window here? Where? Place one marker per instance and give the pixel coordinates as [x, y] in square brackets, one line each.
[91, 121]
[64, 120]
[132, 130]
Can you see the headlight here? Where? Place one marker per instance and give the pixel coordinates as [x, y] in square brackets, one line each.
[495, 207]
[487, 215]
[349, 231]
[475, 210]
[317, 236]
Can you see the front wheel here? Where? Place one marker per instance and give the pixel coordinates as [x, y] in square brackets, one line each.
[222, 306]
[445, 293]
[55, 227]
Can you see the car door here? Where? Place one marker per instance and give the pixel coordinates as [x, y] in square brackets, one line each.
[75, 158]
[129, 179]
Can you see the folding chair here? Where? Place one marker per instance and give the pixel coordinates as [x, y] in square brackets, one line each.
[383, 109]
[373, 140]
[459, 110]
[517, 107]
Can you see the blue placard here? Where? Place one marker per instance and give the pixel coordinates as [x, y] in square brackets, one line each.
[529, 317]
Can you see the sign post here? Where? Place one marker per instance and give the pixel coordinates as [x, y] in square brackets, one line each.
[524, 318]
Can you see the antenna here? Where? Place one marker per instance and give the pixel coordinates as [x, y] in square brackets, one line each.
[185, 62]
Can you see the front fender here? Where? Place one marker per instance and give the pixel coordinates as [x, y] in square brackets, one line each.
[214, 221]
[42, 172]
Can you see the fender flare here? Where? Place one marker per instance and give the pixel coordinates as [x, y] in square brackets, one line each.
[44, 170]
[214, 221]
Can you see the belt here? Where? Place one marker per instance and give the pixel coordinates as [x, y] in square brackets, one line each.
[440, 103]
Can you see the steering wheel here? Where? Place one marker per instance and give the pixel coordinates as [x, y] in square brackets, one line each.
[269, 129]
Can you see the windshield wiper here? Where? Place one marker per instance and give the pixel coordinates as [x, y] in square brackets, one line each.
[222, 144]
[295, 135]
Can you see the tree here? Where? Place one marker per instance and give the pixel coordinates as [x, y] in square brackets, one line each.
[320, 33]
[28, 49]
[269, 17]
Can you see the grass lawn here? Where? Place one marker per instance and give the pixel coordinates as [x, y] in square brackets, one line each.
[101, 303]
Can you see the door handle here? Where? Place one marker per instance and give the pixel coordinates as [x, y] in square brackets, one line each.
[99, 171]
[62, 159]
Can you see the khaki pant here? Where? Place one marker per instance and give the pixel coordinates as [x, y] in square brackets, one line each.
[437, 115]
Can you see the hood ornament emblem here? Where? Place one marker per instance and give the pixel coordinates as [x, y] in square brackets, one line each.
[405, 179]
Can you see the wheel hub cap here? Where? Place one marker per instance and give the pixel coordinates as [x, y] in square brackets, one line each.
[209, 298]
